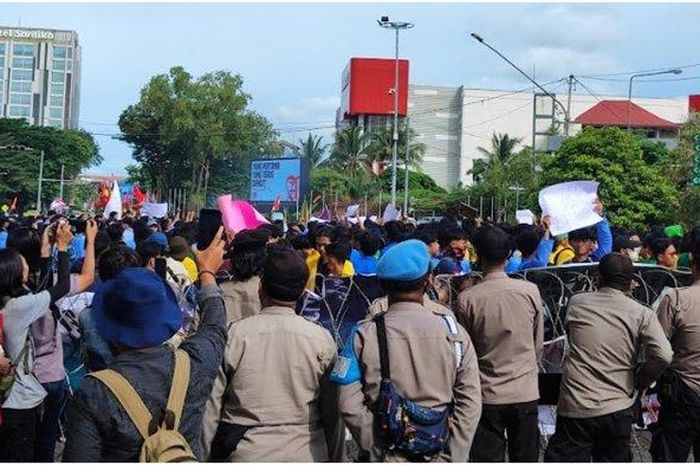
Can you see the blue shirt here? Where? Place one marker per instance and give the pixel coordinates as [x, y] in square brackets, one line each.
[605, 241]
[540, 257]
[128, 238]
[77, 247]
[3, 239]
[363, 264]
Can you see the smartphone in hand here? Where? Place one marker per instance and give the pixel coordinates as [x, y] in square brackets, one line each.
[209, 223]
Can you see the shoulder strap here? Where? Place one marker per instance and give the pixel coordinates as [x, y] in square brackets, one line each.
[178, 389]
[383, 348]
[452, 328]
[127, 397]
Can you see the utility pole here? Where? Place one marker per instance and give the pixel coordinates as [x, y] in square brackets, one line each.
[567, 116]
[41, 175]
[396, 26]
[405, 185]
[62, 170]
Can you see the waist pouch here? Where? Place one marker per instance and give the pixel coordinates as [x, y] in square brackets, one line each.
[414, 431]
[226, 440]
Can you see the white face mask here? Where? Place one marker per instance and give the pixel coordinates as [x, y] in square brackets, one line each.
[633, 254]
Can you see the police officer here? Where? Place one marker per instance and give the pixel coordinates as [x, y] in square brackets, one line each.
[608, 331]
[503, 317]
[272, 400]
[678, 427]
[431, 359]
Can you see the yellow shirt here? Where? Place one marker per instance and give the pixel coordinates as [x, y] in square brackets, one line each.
[191, 268]
[564, 253]
[312, 265]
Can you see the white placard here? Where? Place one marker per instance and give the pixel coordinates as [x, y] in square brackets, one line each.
[570, 205]
[391, 213]
[352, 210]
[155, 210]
[525, 217]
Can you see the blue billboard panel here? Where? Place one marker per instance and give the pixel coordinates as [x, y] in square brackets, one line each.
[273, 178]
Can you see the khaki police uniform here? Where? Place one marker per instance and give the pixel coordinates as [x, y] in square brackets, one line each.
[424, 369]
[275, 382]
[607, 331]
[504, 318]
[678, 428]
[241, 298]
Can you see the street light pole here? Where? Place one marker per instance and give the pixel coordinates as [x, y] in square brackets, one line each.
[480, 39]
[629, 94]
[405, 184]
[41, 175]
[396, 26]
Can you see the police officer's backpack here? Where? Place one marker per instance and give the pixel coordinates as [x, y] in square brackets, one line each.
[162, 440]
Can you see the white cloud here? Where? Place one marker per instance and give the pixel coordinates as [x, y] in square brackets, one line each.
[314, 109]
[552, 62]
[581, 27]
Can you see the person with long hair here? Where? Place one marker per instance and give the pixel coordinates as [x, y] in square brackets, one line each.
[20, 308]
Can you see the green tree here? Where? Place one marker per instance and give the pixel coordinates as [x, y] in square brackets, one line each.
[75, 150]
[635, 194]
[381, 149]
[349, 150]
[496, 157]
[313, 149]
[681, 169]
[196, 133]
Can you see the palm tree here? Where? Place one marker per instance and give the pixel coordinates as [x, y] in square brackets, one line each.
[502, 146]
[348, 151]
[381, 150]
[313, 149]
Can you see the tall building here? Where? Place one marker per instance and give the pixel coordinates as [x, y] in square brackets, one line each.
[40, 76]
[454, 122]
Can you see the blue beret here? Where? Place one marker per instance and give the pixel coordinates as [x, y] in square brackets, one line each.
[406, 261]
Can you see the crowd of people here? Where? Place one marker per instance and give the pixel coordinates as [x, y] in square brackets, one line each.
[121, 340]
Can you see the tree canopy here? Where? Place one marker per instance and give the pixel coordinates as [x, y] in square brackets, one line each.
[636, 193]
[196, 133]
[74, 149]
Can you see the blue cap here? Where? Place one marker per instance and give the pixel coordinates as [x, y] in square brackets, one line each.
[159, 238]
[448, 265]
[406, 261]
[145, 316]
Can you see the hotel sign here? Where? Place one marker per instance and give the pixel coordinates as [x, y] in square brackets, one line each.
[36, 34]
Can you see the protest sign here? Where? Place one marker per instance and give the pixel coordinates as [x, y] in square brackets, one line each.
[115, 201]
[570, 205]
[525, 217]
[391, 213]
[352, 210]
[155, 210]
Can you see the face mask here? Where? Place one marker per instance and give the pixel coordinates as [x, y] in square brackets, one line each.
[634, 254]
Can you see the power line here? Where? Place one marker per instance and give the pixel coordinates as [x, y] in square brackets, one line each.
[609, 108]
[629, 73]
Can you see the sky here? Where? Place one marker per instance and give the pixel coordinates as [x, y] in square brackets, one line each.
[291, 56]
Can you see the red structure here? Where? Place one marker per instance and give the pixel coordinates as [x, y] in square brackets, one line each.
[694, 104]
[615, 113]
[367, 85]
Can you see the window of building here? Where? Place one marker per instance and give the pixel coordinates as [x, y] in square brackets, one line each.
[58, 77]
[17, 110]
[57, 89]
[56, 101]
[56, 113]
[69, 65]
[70, 52]
[21, 99]
[22, 75]
[2, 48]
[23, 62]
[59, 51]
[59, 65]
[20, 87]
[2, 76]
[24, 50]
[2, 61]
[57, 123]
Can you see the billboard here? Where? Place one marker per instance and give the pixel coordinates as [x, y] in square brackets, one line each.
[367, 87]
[273, 177]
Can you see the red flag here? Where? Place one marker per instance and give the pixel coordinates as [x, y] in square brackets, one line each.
[139, 197]
[277, 204]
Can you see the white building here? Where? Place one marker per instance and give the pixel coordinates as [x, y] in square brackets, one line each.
[454, 121]
[40, 76]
